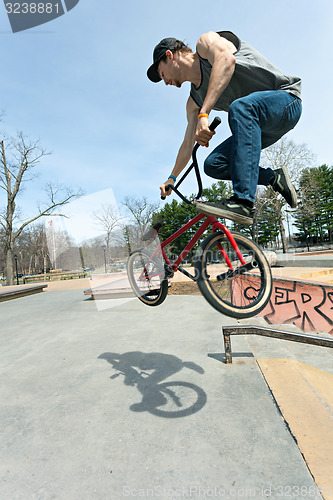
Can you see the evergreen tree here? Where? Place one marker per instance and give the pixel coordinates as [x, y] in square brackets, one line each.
[314, 215]
[324, 178]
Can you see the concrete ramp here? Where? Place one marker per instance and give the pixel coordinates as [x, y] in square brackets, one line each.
[308, 305]
[304, 395]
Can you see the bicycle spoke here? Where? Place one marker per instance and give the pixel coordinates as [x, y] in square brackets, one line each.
[146, 278]
[235, 280]
[235, 286]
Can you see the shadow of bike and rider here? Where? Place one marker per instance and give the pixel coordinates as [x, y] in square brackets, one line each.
[148, 372]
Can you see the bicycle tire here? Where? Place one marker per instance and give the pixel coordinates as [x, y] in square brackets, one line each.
[152, 288]
[239, 293]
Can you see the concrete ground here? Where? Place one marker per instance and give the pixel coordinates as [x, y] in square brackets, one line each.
[116, 399]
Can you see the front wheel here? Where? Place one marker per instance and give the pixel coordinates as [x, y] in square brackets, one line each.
[147, 277]
[240, 290]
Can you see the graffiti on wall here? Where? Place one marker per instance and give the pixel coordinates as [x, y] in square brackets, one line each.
[309, 306]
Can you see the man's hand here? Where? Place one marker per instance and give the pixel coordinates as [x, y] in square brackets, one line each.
[163, 188]
[203, 135]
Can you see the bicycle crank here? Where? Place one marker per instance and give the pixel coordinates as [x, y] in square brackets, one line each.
[239, 270]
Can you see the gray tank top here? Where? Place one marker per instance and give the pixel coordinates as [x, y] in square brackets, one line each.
[253, 73]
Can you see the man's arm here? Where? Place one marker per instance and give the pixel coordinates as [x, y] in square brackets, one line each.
[220, 53]
[185, 150]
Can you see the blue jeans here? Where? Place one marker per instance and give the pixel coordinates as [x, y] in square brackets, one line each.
[256, 122]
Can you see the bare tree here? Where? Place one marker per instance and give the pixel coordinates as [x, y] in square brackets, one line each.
[31, 247]
[285, 153]
[141, 212]
[18, 159]
[108, 219]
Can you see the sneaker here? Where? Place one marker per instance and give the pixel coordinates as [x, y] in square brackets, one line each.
[229, 209]
[282, 184]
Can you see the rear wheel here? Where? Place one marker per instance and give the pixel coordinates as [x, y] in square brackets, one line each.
[235, 289]
[147, 277]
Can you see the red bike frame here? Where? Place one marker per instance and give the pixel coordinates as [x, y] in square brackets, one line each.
[216, 225]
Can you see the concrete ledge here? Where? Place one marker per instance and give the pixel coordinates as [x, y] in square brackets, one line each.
[16, 291]
[109, 286]
[306, 259]
[107, 293]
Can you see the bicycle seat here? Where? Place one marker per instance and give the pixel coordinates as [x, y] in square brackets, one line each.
[152, 232]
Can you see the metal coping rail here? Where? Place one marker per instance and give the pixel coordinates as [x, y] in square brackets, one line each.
[269, 332]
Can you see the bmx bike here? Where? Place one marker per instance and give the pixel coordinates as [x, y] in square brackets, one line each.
[231, 270]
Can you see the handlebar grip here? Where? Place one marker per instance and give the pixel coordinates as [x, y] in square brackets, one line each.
[215, 123]
[170, 186]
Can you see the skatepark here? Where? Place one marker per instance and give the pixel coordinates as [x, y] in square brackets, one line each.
[112, 399]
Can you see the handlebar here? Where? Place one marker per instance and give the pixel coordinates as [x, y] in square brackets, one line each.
[215, 123]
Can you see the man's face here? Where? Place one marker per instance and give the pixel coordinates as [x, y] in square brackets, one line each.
[168, 71]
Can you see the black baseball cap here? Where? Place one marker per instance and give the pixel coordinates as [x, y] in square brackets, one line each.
[158, 54]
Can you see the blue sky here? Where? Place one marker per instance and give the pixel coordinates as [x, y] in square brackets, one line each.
[79, 84]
